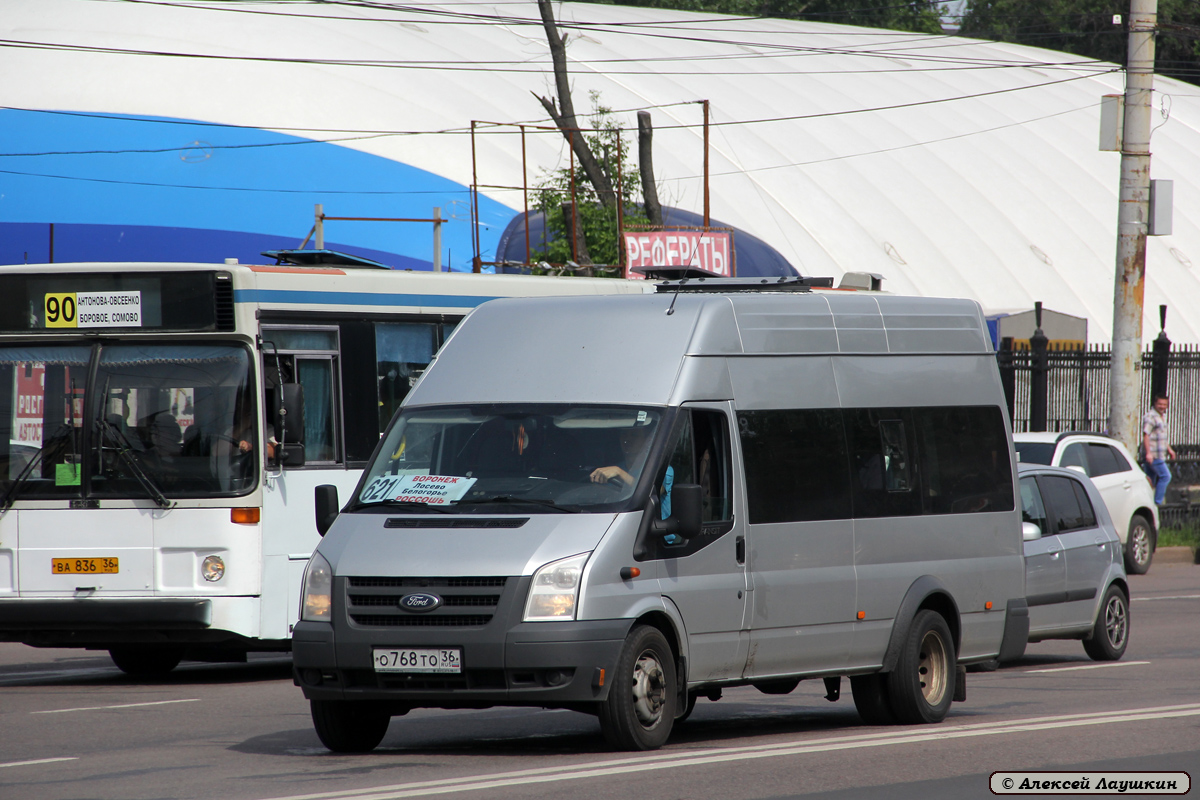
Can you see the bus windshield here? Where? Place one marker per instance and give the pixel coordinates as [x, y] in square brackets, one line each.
[154, 420]
[530, 457]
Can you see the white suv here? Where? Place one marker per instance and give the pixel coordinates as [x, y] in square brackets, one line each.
[1126, 492]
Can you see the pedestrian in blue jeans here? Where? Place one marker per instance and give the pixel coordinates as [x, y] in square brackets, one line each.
[1156, 447]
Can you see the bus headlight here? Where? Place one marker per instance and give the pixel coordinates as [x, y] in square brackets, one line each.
[213, 568]
[317, 591]
[554, 592]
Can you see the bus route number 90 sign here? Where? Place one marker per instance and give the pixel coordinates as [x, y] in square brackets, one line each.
[93, 309]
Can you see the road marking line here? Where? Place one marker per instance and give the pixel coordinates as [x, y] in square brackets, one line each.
[1170, 597]
[37, 761]
[623, 766]
[1087, 666]
[123, 705]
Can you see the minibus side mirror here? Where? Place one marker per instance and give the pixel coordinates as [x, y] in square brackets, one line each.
[686, 500]
[1030, 532]
[325, 501]
[287, 417]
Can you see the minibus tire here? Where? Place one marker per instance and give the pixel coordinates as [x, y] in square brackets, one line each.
[348, 727]
[871, 698]
[1110, 635]
[640, 709]
[146, 660]
[921, 687]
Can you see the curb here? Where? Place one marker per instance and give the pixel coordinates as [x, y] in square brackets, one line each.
[1174, 556]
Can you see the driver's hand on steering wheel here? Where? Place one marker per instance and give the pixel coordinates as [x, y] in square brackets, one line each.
[608, 474]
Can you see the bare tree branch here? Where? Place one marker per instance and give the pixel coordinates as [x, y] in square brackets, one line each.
[565, 119]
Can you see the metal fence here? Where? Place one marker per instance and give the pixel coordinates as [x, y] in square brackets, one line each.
[1077, 391]
[1077, 399]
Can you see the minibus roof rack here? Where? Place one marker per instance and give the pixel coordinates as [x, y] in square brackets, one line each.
[786, 283]
[321, 258]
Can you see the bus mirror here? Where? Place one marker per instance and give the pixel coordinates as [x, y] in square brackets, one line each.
[289, 414]
[686, 501]
[325, 501]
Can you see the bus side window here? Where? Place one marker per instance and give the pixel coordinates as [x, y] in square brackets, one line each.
[402, 352]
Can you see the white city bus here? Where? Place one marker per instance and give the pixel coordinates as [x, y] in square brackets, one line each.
[162, 427]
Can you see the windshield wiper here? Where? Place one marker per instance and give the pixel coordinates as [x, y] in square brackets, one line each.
[26, 473]
[508, 498]
[407, 503]
[121, 445]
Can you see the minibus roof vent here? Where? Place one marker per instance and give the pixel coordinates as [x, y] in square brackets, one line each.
[793, 283]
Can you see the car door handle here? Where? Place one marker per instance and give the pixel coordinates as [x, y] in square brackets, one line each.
[739, 549]
[1056, 554]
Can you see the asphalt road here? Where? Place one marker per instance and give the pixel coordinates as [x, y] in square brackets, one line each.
[72, 727]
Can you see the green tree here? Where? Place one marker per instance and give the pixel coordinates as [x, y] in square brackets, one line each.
[1085, 28]
[597, 220]
[922, 16]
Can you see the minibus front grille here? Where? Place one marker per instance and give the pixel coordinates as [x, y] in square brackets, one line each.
[376, 601]
[421, 621]
[360, 600]
[426, 583]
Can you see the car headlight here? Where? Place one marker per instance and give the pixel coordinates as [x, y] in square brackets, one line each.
[554, 592]
[317, 590]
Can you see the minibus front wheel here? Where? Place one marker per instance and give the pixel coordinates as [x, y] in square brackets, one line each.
[345, 726]
[640, 708]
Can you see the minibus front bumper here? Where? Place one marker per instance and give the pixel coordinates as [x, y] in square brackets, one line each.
[503, 660]
[550, 664]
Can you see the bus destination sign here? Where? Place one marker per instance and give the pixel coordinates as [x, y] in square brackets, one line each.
[93, 309]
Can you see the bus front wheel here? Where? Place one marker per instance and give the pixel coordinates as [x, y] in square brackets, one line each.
[146, 660]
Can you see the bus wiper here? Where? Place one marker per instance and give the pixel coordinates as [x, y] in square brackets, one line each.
[508, 498]
[121, 444]
[26, 473]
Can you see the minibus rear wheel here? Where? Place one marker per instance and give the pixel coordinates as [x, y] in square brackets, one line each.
[348, 727]
[921, 686]
[640, 708]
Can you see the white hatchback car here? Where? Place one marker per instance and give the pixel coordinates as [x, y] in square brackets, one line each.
[1126, 492]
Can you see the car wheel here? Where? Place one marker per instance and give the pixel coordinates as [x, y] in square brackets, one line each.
[640, 708]
[921, 686]
[348, 727]
[146, 661]
[1110, 636]
[1139, 546]
[871, 698]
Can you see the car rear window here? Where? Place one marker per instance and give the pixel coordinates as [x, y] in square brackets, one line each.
[1105, 460]
[1035, 452]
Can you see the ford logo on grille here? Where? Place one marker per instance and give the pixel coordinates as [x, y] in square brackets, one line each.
[420, 601]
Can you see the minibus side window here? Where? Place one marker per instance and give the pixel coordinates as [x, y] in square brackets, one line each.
[712, 465]
[881, 464]
[701, 456]
[797, 465]
[964, 462]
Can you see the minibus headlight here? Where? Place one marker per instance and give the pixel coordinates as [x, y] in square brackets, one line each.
[554, 591]
[318, 590]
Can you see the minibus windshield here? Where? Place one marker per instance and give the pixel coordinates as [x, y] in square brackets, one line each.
[511, 458]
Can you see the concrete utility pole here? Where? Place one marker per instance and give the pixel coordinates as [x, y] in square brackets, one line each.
[1132, 224]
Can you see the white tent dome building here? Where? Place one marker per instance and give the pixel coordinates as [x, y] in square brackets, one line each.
[951, 166]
